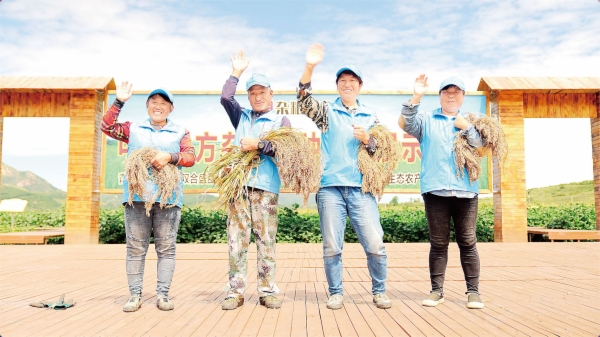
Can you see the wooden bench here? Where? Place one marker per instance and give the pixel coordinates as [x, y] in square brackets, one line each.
[35, 237]
[564, 234]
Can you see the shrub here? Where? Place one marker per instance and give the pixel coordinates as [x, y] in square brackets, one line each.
[202, 226]
[570, 216]
[30, 220]
[407, 224]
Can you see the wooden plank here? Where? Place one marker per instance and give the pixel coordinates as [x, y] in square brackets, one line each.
[530, 289]
[33, 104]
[314, 326]
[565, 234]
[35, 237]
[267, 327]
[331, 326]
[284, 320]
[299, 314]
[8, 83]
[506, 314]
[541, 84]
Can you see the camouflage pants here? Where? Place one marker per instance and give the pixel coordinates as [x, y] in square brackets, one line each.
[257, 212]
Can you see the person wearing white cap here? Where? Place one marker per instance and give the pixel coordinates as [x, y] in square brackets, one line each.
[175, 147]
[258, 210]
[344, 125]
[447, 197]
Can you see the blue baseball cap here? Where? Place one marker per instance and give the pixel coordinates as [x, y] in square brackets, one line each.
[166, 94]
[452, 81]
[259, 79]
[352, 68]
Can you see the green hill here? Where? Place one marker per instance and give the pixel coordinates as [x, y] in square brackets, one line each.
[576, 193]
[39, 193]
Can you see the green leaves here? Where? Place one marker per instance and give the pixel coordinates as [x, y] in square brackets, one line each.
[570, 216]
[407, 224]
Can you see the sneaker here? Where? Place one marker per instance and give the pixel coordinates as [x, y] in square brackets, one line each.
[164, 303]
[382, 301]
[232, 302]
[335, 302]
[134, 303]
[270, 301]
[474, 301]
[433, 300]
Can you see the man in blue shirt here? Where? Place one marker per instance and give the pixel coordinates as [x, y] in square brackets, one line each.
[447, 196]
[344, 126]
[258, 210]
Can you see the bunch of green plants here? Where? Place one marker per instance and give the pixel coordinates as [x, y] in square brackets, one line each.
[409, 224]
[569, 216]
[296, 227]
[202, 226]
[31, 220]
[402, 224]
[112, 225]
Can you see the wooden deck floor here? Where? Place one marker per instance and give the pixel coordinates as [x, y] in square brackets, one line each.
[529, 289]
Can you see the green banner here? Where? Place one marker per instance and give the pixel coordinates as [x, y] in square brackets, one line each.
[211, 131]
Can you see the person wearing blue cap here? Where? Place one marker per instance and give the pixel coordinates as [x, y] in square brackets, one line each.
[448, 198]
[175, 147]
[258, 210]
[344, 125]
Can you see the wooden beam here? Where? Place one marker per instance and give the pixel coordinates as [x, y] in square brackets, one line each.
[56, 83]
[35, 104]
[83, 186]
[510, 195]
[547, 85]
[564, 105]
[1, 137]
[595, 130]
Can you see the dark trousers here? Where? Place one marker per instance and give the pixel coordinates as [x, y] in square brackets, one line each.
[463, 212]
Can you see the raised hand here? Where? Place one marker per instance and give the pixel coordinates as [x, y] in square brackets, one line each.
[315, 54]
[124, 91]
[239, 62]
[421, 85]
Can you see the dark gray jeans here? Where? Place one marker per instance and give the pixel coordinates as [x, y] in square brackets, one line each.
[164, 222]
[463, 212]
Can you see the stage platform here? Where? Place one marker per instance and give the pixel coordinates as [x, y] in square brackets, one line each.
[529, 289]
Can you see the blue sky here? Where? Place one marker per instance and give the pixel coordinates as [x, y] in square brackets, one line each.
[185, 45]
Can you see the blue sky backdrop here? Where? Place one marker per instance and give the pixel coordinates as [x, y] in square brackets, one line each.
[185, 45]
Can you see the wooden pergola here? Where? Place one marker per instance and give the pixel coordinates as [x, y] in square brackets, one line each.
[515, 98]
[81, 99]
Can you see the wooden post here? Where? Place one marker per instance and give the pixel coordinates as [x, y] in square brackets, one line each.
[510, 194]
[1, 136]
[83, 188]
[595, 126]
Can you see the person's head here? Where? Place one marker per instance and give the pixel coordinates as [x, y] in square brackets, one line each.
[160, 105]
[452, 94]
[349, 82]
[260, 94]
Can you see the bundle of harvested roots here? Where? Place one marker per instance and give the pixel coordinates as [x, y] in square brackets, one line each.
[231, 172]
[142, 175]
[377, 169]
[298, 163]
[468, 157]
